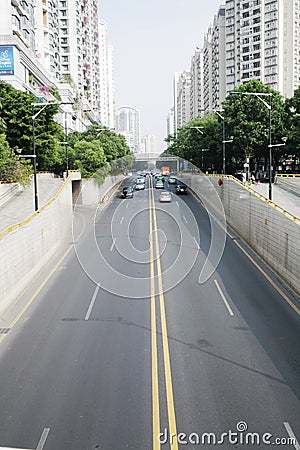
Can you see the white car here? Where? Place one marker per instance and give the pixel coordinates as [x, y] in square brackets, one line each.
[165, 196]
[140, 184]
[172, 180]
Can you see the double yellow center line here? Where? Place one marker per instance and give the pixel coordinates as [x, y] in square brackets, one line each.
[154, 249]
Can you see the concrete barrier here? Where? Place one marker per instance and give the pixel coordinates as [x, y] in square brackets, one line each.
[289, 182]
[89, 192]
[26, 247]
[271, 231]
[8, 190]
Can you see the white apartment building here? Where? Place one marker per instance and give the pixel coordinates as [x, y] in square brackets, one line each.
[214, 65]
[218, 56]
[107, 102]
[170, 123]
[148, 144]
[248, 39]
[53, 45]
[111, 109]
[196, 71]
[183, 99]
[128, 124]
[263, 42]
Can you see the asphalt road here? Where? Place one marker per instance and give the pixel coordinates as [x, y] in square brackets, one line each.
[123, 344]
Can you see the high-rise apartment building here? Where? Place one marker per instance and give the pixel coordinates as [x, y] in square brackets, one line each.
[248, 39]
[262, 42]
[128, 124]
[53, 45]
[218, 85]
[196, 72]
[148, 144]
[183, 99]
[107, 103]
[111, 110]
[171, 122]
[214, 86]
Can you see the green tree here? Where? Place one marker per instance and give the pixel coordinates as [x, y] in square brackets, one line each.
[12, 169]
[89, 157]
[199, 142]
[247, 119]
[16, 114]
[292, 148]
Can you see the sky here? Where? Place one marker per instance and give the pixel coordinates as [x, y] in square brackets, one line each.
[152, 40]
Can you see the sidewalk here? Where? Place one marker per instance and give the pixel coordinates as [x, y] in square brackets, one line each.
[283, 198]
[21, 205]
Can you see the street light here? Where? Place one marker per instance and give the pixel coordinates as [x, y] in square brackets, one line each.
[198, 129]
[202, 159]
[100, 130]
[259, 95]
[34, 115]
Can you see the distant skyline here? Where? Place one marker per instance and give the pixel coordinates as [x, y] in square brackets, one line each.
[152, 41]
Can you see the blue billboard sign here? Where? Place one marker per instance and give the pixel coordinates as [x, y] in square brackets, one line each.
[6, 60]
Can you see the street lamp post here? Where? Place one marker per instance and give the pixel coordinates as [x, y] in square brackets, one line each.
[34, 115]
[199, 129]
[202, 156]
[259, 95]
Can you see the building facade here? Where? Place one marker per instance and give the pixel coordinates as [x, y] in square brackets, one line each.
[248, 39]
[50, 47]
[183, 99]
[148, 144]
[107, 97]
[128, 124]
[196, 72]
[262, 42]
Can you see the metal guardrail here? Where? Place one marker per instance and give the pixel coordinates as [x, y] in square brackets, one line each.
[288, 175]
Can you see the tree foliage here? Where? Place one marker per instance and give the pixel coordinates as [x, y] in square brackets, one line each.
[247, 119]
[12, 169]
[87, 150]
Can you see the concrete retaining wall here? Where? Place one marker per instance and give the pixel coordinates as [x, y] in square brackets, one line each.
[291, 184]
[275, 236]
[8, 190]
[26, 248]
[92, 193]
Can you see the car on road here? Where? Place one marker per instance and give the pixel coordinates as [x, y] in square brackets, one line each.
[181, 189]
[165, 196]
[139, 185]
[127, 192]
[159, 184]
[172, 180]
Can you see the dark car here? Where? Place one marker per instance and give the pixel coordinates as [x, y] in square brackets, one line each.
[181, 189]
[127, 192]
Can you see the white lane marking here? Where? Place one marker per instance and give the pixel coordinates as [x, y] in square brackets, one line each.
[121, 221]
[113, 244]
[184, 218]
[127, 204]
[197, 243]
[14, 448]
[291, 434]
[87, 316]
[43, 439]
[177, 203]
[224, 298]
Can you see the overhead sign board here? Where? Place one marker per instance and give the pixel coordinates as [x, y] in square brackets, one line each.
[7, 60]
